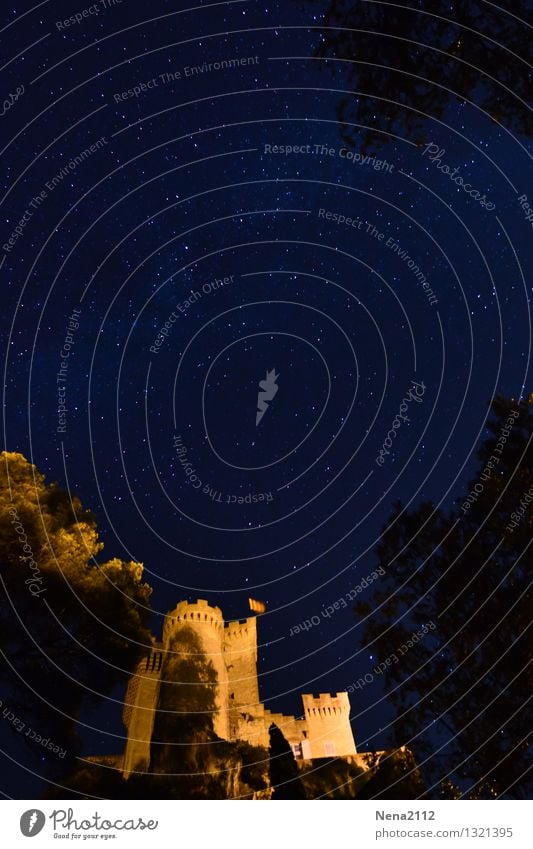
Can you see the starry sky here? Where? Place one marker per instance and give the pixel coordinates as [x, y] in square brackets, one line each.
[191, 216]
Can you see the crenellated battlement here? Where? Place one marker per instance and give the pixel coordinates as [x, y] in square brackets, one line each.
[197, 611]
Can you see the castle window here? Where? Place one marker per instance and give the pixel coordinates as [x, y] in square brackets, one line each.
[329, 749]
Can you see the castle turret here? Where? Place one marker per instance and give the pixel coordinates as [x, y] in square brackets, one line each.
[329, 732]
[140, 706]
[208, 625]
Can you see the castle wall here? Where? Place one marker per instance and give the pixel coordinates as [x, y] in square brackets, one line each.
[328, 725]
[249, 727]
[208, 625]
[140, 705]
[240, 658]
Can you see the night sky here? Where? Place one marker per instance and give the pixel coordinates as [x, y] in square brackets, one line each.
[185, 187]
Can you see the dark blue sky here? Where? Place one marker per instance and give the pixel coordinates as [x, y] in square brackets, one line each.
[184, 190]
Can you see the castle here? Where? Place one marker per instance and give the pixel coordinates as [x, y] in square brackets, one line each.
[323, 731]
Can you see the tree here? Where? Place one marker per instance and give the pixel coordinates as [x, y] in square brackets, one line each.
[70, 628]
[405, 63]
[450, 620]
[183, 736]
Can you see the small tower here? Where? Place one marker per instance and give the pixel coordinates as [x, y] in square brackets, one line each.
[140, 705]
[329, 732]
[208, 625]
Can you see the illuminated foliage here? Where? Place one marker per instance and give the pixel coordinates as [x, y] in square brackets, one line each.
[70, 628]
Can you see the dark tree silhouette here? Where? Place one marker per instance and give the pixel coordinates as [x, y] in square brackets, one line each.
[411, 60]
[462, 692]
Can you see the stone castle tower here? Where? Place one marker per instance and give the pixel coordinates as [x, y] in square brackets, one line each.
[324, 730]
